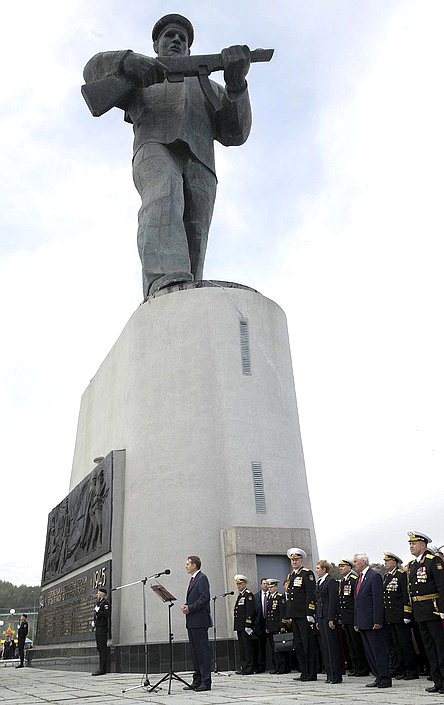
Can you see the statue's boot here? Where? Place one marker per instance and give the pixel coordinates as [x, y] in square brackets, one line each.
[169, 279]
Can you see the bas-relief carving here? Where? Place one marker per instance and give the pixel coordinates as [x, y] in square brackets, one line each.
[79, 528]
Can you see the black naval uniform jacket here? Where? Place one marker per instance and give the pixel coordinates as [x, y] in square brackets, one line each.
[300, 594]
[101, 617]
[244, 611]
[426, 581]
[275, 613]
[396, 597]
[346, 598]
[22, 632]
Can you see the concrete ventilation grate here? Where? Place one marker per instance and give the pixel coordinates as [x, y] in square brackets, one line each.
[245, 346]
[259, 491]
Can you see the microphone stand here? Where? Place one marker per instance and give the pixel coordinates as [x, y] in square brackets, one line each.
[216, 669]
[146, 682]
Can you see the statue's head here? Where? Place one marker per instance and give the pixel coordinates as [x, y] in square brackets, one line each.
[172, 34]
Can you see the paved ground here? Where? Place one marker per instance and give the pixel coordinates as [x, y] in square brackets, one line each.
[30, 686]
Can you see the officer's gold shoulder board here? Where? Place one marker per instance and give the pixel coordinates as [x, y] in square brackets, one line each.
[400, 570]
[307, 570]
[429, 555]
[354, 577]
[439, 565]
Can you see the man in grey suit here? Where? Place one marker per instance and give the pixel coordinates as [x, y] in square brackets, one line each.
[198, 620]
[175, 126]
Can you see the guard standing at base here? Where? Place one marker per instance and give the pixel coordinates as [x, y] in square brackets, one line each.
[300, 585]
[426, 580]
[398, 615]
[102, 615]
[244, 614]
[21, 638]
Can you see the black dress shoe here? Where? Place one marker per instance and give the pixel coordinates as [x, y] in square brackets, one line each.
[273, 673]
[191, 687]
[400, 677]
[203, 686]
[335, 682]
[372, 685]
[20, 666]
[327, 680]
[98, 673]
[432, 689]
[411, 677]
[385, 684]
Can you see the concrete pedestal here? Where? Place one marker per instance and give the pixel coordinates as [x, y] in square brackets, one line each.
[198, 390]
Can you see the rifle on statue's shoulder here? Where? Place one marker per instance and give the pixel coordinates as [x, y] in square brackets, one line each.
[106, 93]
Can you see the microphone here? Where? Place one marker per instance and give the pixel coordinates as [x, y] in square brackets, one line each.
[157, 575]
[227, 593]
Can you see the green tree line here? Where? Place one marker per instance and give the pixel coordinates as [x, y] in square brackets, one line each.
[21, 596]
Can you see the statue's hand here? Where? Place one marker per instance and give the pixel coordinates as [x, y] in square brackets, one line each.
[143, 70]
[236, 60]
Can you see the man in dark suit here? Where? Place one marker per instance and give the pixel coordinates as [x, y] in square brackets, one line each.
[346, 610]
[198, 620]
[369, 620]
[260, 642]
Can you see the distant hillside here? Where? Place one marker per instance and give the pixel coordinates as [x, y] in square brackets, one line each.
[18, 596]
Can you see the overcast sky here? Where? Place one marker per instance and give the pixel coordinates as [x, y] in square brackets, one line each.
[333, 209]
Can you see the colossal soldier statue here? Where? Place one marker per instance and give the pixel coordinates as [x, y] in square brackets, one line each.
[176, 113]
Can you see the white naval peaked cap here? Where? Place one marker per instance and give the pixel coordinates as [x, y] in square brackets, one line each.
[293, 552]
[272, 581]
[240, 578]
[418, 536]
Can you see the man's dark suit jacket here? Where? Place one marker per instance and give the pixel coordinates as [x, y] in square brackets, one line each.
[369, 603]
[259, 620]
[198, 601]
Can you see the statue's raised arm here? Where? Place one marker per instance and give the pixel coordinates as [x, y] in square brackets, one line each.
[177, 112]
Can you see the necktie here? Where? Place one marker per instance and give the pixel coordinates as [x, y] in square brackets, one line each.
[359, 583]
[264, 604]
[190, 583]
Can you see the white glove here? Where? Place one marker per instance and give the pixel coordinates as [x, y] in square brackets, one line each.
[310, 619]
[249, 631]
[441, 614]
[93, 624]
[407, 621]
